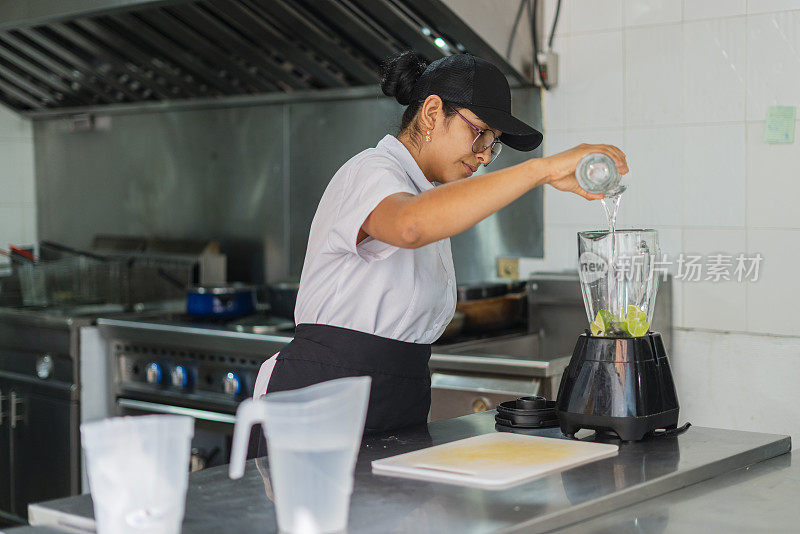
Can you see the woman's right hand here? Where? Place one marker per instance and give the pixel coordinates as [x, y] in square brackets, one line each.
[561, 167]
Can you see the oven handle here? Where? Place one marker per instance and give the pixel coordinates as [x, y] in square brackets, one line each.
[176, 410]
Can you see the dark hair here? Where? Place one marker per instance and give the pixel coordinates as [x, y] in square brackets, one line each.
[399, 75]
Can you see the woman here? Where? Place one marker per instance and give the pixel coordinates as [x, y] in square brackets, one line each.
[378, 285]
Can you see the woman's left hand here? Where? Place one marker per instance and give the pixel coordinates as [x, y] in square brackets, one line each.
[562, 166]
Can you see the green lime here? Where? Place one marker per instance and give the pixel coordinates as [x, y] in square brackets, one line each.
[634, 323]
[623, 327]
[636, 319]
[597, 329]
[602, 323]
[639, 328]
[635, 314]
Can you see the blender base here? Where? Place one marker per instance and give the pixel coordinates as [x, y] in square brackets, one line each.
[619, 384]
[627, 428]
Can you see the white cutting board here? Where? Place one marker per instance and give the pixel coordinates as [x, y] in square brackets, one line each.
[493, 461]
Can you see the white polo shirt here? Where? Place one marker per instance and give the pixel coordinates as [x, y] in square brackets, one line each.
[374, 287]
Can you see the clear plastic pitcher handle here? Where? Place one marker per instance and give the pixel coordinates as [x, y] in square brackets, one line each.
[248, 413]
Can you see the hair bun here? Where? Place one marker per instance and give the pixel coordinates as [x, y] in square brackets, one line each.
[399, 74]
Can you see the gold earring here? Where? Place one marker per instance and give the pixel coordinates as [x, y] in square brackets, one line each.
[428, 136]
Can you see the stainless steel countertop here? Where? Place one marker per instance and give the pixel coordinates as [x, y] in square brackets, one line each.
[763, 497]
[41, 317]
[640, 472]
[81, 315]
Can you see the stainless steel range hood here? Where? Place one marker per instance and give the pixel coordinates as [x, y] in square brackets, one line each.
[66, 56]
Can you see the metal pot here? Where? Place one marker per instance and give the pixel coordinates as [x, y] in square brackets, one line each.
[283, 298]
[492, 306]
[454, 327]
[224, 300]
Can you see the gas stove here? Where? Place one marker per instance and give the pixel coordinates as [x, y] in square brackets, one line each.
[201, 367]
[202, 363]
[260, 322]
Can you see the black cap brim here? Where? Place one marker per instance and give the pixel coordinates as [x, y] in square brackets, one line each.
[516, 133]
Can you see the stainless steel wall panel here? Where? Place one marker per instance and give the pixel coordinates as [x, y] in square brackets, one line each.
[323, 136]
[516, 230]
[210, 173]
[250, 176]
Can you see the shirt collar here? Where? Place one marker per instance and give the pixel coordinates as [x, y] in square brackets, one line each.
[397, 149]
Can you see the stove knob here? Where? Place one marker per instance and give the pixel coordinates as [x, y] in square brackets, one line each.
[231, 384]
[153, 373]
[44, 367]
[480, 404]
[179, 376]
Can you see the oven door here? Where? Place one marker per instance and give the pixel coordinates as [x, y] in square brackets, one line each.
[213, 431]
[454, 394]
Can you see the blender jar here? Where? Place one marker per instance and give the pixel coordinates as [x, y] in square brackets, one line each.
[619, 290]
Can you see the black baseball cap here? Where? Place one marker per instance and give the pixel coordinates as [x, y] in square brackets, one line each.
[479, 86]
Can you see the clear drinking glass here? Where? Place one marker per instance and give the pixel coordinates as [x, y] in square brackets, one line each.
[619, 291]
[597, 173]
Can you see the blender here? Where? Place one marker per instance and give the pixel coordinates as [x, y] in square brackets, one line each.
[619, 377]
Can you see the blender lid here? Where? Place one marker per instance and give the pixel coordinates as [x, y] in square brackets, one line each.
[527, 412]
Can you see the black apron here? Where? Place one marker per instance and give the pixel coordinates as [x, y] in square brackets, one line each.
[400, 394]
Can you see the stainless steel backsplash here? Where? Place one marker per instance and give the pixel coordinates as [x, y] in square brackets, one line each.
[248, 176]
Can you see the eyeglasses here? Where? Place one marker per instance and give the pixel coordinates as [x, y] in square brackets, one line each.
[485, 139]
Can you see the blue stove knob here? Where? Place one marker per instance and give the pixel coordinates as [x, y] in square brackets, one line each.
[231, 384]
[153, 373]
[179, 377]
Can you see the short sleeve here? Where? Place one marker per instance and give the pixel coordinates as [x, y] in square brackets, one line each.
[366, 188]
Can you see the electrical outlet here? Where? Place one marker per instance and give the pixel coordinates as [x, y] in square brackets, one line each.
[508, 268]
[548, 65]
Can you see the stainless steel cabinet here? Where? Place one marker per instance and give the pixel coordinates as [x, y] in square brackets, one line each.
[41, 451]
[5, 451]
[38, 451]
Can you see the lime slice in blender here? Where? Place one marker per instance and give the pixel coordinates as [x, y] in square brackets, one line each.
[623, 327]
[634, 313]
[636, 321]
[638, 329]
[597, 329]
[601, 323]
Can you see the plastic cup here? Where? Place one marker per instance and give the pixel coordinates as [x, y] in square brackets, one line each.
[313, 438]
[138, 469]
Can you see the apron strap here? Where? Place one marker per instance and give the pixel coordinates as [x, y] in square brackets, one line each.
[264, 374]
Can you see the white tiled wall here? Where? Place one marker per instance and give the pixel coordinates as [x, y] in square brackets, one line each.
[739, 381]
[683, 88]
[17, 181]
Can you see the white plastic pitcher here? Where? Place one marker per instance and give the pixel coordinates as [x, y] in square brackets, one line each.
[138, 469]
[313, 437]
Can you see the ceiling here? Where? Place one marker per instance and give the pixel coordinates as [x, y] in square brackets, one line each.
[76, 54]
